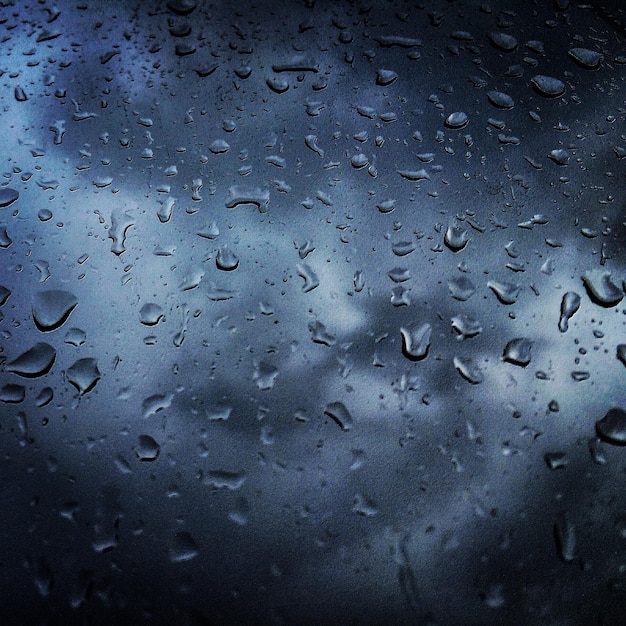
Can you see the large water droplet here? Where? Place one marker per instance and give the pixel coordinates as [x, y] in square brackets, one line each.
[150, 314]
[468, 370]
[52, 308]
[457, 120]
[338, 412]
[264, 375]
[8, 196]
[502, 41]
[183, 548]
[416, 341]
[517, 351]
[12, 393]
[612, 427]
[226, 260]
[36, 361]
[507, 293]
[601, 289]
[461, 288]
[311, 281]
[147, 448]
[586, 58]
[385, 77]
[223, 479]
[466, 326]
[120, 223]
[501, 100]
[456, 237]
[83, 374]
[548, 86]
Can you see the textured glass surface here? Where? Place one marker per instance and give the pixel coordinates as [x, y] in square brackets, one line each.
[312, 312]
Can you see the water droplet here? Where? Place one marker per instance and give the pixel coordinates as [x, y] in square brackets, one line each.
[8, 196]
[75, 337]
[338, 412]
[466, 326]
[36, 361]
[416, 341]
[386, 206]
[507, 293]
[500, 100]
[548, 86]
[461, 288]
[517, 351]
[399, 274]
[385, 77]
[364, 506]
[359, 161]
[243, 195]
[222, 479]
[456, 237]
[468, 370]
[402, 248]
[414, 175]
[226, 260]
[320, 335]
[457, 120]
[5, 240]
[147, 448]
[83, 374]
[52, 308]
[311, 143]
[120, 223]
[150, 314]
[601, 289]
[264, 375]
[45, 397]
[565, 536]
[155, 403]
[5, 292]
[12, 393]
[277, 85]
[569, 305]
[219, 146]
[183, 548]
[502, 41]
[555, 460]
[621, 353]
[311, 281]
[612, 427]
[588, 59]
[559, 156]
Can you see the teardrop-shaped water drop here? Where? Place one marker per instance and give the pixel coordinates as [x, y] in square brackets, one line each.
[507, 293]
[570, 303]
[601, 289]
[36, 361]
[52, 308]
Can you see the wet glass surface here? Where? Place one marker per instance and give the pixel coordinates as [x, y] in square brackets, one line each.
[312, 312]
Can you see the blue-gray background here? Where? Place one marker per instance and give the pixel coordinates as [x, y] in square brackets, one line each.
[436, 505]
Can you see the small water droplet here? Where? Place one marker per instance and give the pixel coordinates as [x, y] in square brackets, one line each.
[500, 100]
[548, 86]
[468, 370]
